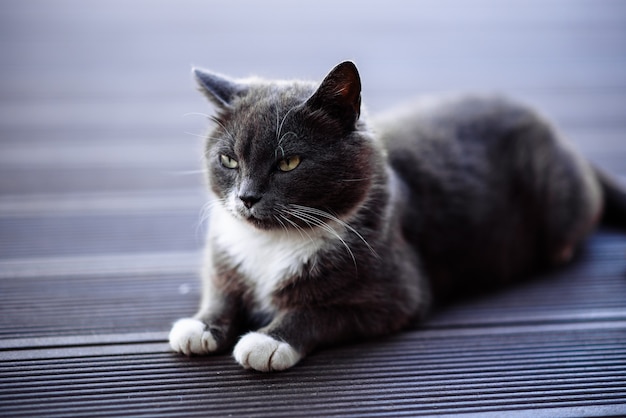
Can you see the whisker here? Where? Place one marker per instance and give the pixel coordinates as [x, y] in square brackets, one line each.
[354, 180]
[285, 135]
[217, 121]
[313, 221]
[195, 135]
[212, 138]
[197, 114]
[282, 150]
[297, 227]
[301, 230]
[281, 223]
[205, 211]
[187, 173]
[327, 215]
[277, 123]
[280, 127]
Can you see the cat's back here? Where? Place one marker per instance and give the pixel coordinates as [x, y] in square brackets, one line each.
[475, 170]
[466, 147]
[452, 121]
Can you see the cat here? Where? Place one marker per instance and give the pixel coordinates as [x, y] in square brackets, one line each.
[325, 228]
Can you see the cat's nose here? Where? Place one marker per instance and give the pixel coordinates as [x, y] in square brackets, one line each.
[249, 200]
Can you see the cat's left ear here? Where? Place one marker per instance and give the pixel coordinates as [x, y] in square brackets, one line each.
[219, 89]
[339, 95]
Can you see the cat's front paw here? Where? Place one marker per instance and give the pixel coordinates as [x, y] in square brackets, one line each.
[263, 353]
[190, 336]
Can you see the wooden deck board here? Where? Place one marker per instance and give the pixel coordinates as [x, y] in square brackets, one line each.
[101, 192]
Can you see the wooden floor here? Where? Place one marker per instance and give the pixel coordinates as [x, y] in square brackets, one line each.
[101, 195]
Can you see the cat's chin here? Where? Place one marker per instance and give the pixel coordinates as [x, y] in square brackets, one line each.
[258, 223]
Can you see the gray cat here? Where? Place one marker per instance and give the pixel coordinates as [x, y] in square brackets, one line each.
[324, 229]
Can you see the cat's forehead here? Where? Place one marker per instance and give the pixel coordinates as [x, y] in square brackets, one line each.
[271, 98]
[267, 110]
[263, 122]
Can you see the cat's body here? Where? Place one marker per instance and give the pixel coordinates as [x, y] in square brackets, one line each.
[495, 194]
[325, 230]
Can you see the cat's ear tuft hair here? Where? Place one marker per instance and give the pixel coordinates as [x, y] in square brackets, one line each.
[219, 89]
[339, 94]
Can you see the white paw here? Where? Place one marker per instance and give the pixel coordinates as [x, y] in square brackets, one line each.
[190, 336]
[263, 353]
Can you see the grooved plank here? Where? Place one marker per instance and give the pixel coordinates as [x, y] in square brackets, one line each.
[95, 305]
[411, 373]
[86, 233]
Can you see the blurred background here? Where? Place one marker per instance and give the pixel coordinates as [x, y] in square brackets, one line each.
[93, 88]
[100, 137]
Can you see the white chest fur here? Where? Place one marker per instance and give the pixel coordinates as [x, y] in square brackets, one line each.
[264, 258]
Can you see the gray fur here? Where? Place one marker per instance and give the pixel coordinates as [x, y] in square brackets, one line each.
[495, 193]
[376, 222]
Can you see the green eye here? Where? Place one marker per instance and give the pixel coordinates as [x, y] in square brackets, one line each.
[228, 162]
[289, 163]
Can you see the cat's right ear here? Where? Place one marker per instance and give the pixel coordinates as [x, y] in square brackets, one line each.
[339, 94]
[219, 89]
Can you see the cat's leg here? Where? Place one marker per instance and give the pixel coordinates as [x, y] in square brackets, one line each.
[215, 326]
[292, 335]
[265, 353]
[191, 336]
[212, 329]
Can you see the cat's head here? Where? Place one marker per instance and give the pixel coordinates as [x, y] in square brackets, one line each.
[287, 155]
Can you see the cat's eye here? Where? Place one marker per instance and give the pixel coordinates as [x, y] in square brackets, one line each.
[228, 162]
[289, 163]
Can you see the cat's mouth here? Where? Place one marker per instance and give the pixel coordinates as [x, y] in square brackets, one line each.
[260, 223]
[255, 219]
[251, 218]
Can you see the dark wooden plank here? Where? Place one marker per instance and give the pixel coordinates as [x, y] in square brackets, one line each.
[93, 304]
[84, 234]
[407, 375]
